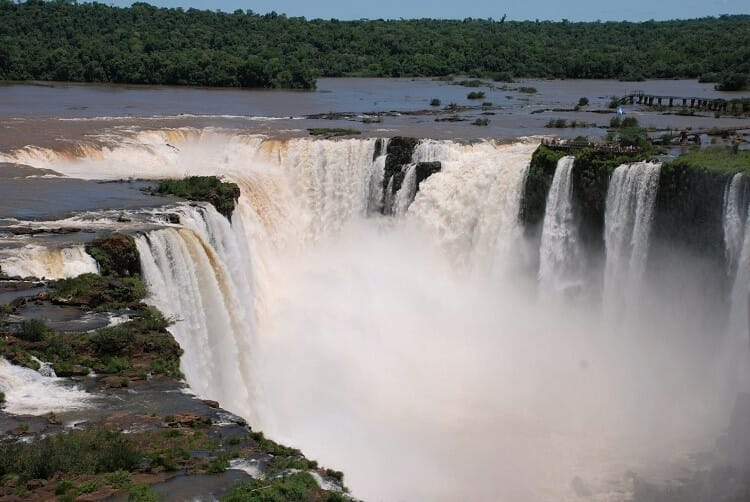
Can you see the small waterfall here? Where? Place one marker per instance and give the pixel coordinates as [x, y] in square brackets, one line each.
[560, 252]
[405, 195]
[631, 198]
[29, 392]
[47, 263]
[388, 200]
[213, 305]
[375, 202]
[733, 221]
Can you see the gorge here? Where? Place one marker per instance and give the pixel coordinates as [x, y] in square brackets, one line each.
[436, 318]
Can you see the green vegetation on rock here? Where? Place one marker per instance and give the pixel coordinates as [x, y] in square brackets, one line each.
[332, 132]
[297, 487]
[115, 254]
[222, 195]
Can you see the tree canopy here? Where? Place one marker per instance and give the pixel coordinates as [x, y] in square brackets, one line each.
[93, 42]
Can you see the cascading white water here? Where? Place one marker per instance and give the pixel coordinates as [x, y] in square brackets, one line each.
[360, 340]
[28, 392]
[406, 193]
[472, 206]
[735, 215]
[376, 201]
[631, 198]
[47, 262]
[560, 251]
[195, 277]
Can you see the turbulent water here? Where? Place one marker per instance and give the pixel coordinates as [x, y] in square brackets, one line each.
[560, 252]
[28, 392]
[45, 262]
[414, 352]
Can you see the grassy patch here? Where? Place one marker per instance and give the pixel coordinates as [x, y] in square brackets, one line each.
[298, 487]
[332, 132]
[98, 292]
[221, 194]
[722, 160]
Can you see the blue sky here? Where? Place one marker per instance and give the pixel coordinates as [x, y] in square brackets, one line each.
[577, 10]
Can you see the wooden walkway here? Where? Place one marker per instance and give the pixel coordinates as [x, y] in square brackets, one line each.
[693, 102]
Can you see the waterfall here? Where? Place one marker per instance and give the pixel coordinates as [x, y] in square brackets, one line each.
[406, 193]
[472, 206]
[733, 221]
[376, 201]
[28, 392]
[47, 262]
[631, 198]
[389, 198]
[213, 307]
[560, 252]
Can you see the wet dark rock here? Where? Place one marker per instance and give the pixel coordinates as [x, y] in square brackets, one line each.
[173, 218]
[210, 403]
[427, 169]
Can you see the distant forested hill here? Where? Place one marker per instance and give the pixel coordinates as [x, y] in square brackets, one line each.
[91, 42]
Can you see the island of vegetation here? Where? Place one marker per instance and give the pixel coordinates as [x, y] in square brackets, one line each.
[63, 40]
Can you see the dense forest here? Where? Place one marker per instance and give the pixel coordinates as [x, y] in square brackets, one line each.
[92, 42]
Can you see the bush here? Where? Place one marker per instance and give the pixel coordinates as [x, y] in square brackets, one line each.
[81, 452]
[583, 101]
[434, 102]
[487, 103]
[481, 122]
[142, 493]
[732, 81]
[112, 341]
[2, 397]
[527, 90]
[115, 254]
[33, 330]
[470, 83]
[615, 122]
[475, 95]
[630, 122]
[503, 76]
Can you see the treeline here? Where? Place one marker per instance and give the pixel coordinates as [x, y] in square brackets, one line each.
[92, 42]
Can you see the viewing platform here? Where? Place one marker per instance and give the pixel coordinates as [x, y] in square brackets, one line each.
[693, 102]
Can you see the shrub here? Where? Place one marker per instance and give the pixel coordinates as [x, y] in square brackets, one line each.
[2, 397]
[475, 95]
[112, 341]
[434, 102]
[615, 122]
[733, 81]
[481, 122]
[487, 103]
[33, 330]
[142, 493]
[115, 254]
[503, 76]
[470, 83]
[583, 101]
[527, 90]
